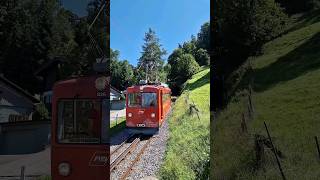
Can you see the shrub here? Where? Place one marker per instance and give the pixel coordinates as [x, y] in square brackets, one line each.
[41, 113]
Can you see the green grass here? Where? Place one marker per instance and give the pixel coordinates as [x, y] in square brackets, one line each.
[287, 97]
[117, 126]
[187, 153]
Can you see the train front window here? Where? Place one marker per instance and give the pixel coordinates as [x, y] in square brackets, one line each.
[142, 99]
[79, 121]
[149, 99]
[134, 99]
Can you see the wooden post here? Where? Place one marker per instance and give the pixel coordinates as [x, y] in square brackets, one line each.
[250, 104]
[249, 112]
[317, 144]
[244, 124]
[259, 148]
[274, 152]
[196, 109]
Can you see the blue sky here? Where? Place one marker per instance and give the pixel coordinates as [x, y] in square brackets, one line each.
[174, 21]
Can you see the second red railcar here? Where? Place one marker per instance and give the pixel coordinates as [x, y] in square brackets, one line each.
[147, 106]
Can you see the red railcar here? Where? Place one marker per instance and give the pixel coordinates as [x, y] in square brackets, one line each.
[80, 119]
[147, 107]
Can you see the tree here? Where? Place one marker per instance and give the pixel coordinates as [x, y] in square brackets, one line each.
[187, 66]
[121, 71]
[182, 67]
[202, 57]
[203, 40]
[173, 62]
[34, 31]
[151, 61]
[297, 6]
[246, 25]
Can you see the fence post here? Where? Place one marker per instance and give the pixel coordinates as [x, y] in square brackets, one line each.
[250, 104]
[274, 151]
[117, 119]
[260, 154]
[22, 173]
[244, 124]
[317, 144]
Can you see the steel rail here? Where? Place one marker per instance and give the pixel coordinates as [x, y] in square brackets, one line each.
[128, 171]
[124, 153]
[121, 145]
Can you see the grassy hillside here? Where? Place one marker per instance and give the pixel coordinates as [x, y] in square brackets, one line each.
[187, 154]
[286, 95]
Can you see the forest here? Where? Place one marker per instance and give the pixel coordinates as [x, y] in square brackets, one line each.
[33, 32]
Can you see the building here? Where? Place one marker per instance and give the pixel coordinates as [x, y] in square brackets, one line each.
[117, 100]
[19, 134]
[16, 104]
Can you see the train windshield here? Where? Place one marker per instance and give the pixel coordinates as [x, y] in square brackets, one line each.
[79, 121]
[142, 99]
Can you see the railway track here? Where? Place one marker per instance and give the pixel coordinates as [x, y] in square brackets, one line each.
[127, 154]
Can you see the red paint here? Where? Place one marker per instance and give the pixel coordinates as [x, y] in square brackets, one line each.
[88, 161]
[142, 115]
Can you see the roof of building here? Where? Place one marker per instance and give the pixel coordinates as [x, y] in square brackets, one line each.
[18, 89]
[113, 88]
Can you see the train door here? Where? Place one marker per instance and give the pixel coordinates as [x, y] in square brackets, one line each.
[79, 147]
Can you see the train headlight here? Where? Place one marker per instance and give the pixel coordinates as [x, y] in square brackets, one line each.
[64, 169]
[101, 83]
[153, 115]
[129, 114]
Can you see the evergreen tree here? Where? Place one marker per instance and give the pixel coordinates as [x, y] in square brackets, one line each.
[203, 40]
[151, 61]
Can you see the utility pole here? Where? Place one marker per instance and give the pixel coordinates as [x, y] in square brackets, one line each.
[147, 72]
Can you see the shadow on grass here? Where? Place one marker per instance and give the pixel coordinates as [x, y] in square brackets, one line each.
[200, 82]
[117, 128]
[301, 60]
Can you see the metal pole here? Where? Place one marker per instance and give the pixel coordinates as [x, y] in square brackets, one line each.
[274, 151]
[117, 119]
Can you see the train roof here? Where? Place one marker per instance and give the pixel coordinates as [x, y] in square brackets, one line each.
[85, 86]
[148, 86]
[78, 80]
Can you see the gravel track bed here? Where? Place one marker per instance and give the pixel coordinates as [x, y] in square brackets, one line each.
[125, 164]
[150, 161]
[152, 158]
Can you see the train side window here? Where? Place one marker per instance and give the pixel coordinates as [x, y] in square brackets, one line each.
[165, 97]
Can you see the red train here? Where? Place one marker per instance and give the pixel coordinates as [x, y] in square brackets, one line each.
[147, 106]
[80, 121]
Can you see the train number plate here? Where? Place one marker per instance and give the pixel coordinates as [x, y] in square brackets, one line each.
[141, 125]
[101, 94]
